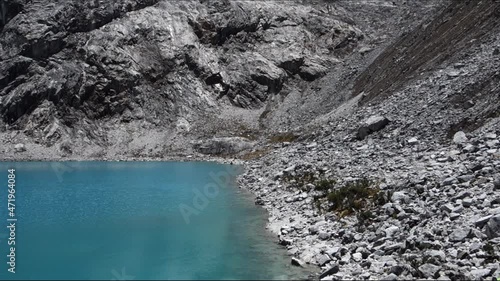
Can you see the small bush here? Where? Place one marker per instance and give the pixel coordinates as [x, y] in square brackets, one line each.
[365, 216]
[324, 184]
[351, 197]
[301, 179]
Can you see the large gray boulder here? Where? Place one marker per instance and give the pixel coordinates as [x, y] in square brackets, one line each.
[332, 270]
[429, 270]
[460, 138]
[371, 125]
[493, 227]
[20, 147]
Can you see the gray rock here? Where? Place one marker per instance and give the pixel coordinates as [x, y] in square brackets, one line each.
[447, 207]
[493, 143]
[313, 230]
[459, 234]
[454, 216]
[448, 181]
[429, 270]
[390, 277]
[465, 178]
[482, 221]
[371, 125]
[490, 136]
[285, 241]
[323, 235]
[399, 196]
[19, 147]
[397, 269]
[412, 141]
[437, 254]
[357, 257]
[391, 230]
[334, 251]
[460, 138]
[478, 274]
[496, 183]
[467, 202]
[322, 259]
[332, 270]
[492, 229]
[297, 262]
[311, 71]
[470, 148]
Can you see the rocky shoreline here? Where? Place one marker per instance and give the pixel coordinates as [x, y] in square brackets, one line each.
[441, 220]
[415, 203]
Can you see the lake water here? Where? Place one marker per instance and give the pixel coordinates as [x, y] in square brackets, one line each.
[136, 220]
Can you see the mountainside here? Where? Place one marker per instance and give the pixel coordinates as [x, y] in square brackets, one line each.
[146, 78]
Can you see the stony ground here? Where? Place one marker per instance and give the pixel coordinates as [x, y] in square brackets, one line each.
[405, 186]
[434, 211]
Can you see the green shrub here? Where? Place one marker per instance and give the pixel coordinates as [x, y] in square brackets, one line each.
[324, 184]
[353, 196]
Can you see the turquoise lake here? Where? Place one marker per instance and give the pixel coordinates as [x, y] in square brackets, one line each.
[137, 220]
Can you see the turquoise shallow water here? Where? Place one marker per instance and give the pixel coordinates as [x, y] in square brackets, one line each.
[124, 221]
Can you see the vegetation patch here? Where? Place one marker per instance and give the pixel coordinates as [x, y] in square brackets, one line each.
[283, 137]
[300, 180]
[353, 196]
[357, 197]
[256, 154]
[245, 132]
[324, 184]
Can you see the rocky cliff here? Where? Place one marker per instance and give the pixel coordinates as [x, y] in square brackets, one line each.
[134, 78]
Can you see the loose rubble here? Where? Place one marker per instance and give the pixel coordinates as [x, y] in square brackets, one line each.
[442, 219]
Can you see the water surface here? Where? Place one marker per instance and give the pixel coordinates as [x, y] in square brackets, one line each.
[136, 220]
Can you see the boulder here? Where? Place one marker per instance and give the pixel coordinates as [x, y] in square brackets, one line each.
[412, 141]
[496, 183]
[493, 227]
[399, 196]
[285, 241]
[311, 71]
[391, 230]
[460, 138]
[479, 274]
[357, 257]
[429, 270]
[459, 234]
[297, 262]
[373, 124]
[482, 221]
[322, 259]
[332, 270]
[19, 147]
[323, 235]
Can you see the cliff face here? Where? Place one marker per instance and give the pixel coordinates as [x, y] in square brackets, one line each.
[97, 74]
